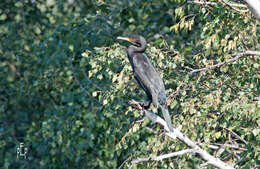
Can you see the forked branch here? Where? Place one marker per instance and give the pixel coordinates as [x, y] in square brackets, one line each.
[246, 53]
[161, 157]
[211, 160]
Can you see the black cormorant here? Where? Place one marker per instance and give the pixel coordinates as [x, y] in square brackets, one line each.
[146, 75]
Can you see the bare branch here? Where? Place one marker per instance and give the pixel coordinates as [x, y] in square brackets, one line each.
[216, 146]
[211, 160]
[215, 3]
[236, 135]
[161, 157]
[231, 5]
[136, 105]
[234, 8]
[204, 165]
[254, 6]
[153, 117]
[151, 130]
[246, 53]
[124, 162]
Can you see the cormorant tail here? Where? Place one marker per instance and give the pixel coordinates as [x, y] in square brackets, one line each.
[167, 117]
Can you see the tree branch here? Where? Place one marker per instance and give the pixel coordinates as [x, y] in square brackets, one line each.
[254, 6]
[202, 153]
[216, 146]
[124, 162]
[231, 5]
[215, 3]
[236, 135]
[161, 157]
[234, 8]
[246, 53]
[204, 165]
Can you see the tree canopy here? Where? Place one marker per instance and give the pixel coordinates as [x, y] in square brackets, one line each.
[66, 82]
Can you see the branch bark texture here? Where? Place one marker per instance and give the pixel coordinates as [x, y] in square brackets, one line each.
[254, 6]
[161, 157]
[211, 160]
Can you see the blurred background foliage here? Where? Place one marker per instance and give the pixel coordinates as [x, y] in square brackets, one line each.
[66, 82]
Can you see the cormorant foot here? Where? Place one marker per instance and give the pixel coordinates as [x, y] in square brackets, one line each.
[147, 106]
[142, 104]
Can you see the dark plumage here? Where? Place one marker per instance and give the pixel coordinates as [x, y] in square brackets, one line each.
[146, 75]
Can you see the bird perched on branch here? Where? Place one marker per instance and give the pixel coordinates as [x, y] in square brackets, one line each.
[146, 75]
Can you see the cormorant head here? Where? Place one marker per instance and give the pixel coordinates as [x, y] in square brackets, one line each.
[135, 40]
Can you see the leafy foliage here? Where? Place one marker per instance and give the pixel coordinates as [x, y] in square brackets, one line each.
[66, 82]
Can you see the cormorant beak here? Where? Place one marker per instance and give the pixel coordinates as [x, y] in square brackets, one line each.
[124, 38]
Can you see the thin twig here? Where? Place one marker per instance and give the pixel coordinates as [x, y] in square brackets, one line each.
[124, 162]
[215, 3]
[236, 135]
[164, 156]
[216, 146]
[204, 165]
[234, 8]
[151, 130]
[76, 79]
[140, 121]
[246, 53]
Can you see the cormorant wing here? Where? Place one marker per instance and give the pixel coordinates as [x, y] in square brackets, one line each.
[147, 77]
